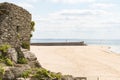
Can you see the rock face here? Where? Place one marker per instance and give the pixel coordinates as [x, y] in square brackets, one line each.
[12, 54]
[15, 32]
[15, 24]
[13, 72]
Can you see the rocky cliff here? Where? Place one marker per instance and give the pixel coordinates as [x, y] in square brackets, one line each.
[15, 25]
[15, 32]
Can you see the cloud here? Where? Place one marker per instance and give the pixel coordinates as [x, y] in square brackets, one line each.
[72, 1]
[80, 12]
[103, 5]
[78, 17]
[69, 23]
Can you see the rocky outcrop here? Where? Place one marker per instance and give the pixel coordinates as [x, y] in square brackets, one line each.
[29, 55]
[15, 32]
[15, 25]
[12, 54]
[14, 71]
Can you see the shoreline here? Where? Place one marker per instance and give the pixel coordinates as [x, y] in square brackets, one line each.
[112, 48]
[85, 61]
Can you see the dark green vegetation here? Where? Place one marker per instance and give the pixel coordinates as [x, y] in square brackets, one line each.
[3, 56]
[2, 71]
[32, 26]
[25, 45]
[8, 62]
[41, 74]
[4, 48]
[22, 61]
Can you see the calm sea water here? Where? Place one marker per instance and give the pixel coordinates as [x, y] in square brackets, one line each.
[114, 44]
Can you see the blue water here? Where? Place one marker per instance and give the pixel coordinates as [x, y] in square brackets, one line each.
[114, 44]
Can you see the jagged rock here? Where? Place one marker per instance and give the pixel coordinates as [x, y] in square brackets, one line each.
[14, 72]
[80, 78]
[8, 75]
[67, 77]
[34, 79]
[17, 71]
[29, 55]
[34, 64]
[0, 53]
[23, 79]
[56, 79]
[12, 54]
[20, 79]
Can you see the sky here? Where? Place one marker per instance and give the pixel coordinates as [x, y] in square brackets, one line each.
[73, 19]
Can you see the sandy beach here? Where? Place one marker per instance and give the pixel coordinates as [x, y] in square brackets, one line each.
[94, 62]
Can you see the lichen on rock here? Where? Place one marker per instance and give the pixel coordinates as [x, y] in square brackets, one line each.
[15, 24]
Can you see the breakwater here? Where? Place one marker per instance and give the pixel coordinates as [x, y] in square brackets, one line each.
[60, 44]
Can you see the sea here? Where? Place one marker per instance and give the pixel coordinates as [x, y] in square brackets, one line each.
[113, 43]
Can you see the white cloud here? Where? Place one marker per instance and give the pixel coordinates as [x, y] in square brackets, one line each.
[103, 5]
[76, 23]
[80, 18]
[72, 1]
[79, 12]
[86, 17]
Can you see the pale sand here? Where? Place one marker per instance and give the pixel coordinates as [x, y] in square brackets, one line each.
[89, 61]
